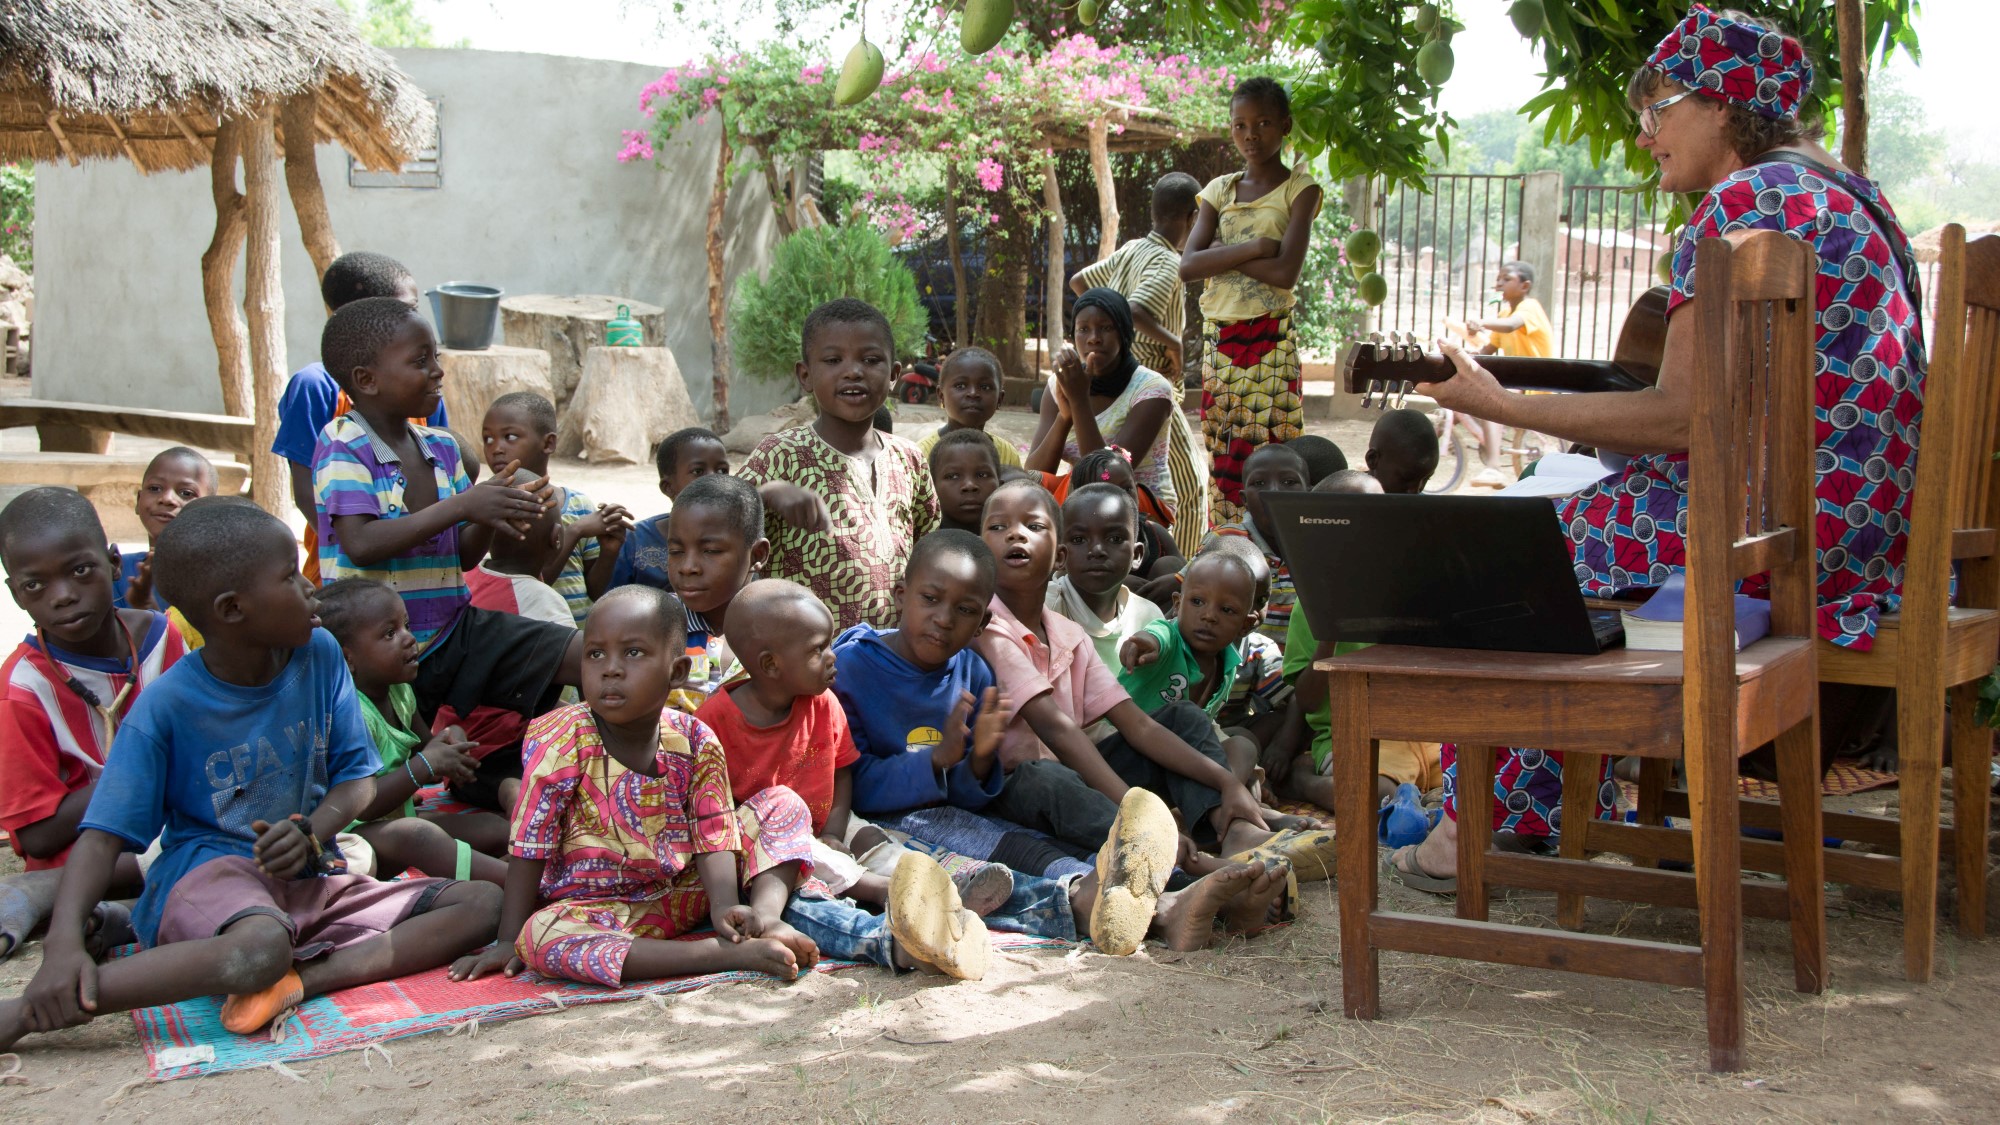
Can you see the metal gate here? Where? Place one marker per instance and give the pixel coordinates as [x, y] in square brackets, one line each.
[1612, 240]
[1442, 248]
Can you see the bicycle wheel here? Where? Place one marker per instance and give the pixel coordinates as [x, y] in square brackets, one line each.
[1525, 447]
[1451, 464]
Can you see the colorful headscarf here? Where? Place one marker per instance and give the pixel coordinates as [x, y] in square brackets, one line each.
[1759, 69]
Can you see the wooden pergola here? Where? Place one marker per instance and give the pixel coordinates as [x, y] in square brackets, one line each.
[173, 85]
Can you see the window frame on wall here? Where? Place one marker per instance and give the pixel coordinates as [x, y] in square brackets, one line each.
[422, 172]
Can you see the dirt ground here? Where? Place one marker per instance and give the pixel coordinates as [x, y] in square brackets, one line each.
[1248, 1031]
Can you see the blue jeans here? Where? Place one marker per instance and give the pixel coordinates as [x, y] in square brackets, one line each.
[845, 931]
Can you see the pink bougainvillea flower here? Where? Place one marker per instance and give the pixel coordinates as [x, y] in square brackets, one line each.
[991, 174]
[638, 146]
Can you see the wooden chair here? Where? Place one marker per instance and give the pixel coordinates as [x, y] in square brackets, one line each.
[1932, 647]
[1750, 510]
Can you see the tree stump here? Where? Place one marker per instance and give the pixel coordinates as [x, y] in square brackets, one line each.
[626, 400]
[472, 380]
[568, 327]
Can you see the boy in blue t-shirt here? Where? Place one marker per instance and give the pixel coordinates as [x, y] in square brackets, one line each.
[924, 709]
[244, 759]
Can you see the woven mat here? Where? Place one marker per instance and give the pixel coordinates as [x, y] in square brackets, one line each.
[187, 1040]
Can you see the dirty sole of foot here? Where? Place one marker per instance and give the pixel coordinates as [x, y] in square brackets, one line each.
[931, 924]
[1132, 870]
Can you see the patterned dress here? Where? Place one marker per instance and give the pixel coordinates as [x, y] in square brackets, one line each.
[1250, 389]
[879, 510]
[620, 845]
[1629, 531]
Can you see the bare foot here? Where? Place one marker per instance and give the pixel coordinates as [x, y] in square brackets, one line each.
[1185, 919]
[763, 955]
[1281, 821]
[803, 948]
[1261, 904]
[1241, 837]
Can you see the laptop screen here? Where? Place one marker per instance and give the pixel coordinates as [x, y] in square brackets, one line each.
[1480, 572]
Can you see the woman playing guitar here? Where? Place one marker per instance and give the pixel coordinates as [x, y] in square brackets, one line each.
[1719, 109]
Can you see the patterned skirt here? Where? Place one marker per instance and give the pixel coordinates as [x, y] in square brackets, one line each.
[1188, 467]
[1250, 396]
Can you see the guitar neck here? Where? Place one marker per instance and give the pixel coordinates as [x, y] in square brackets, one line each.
[1522, 373]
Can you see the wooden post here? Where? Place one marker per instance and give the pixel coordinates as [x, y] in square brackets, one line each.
[718, 347]
[1852, 34]
[218, 273]
[961, 317]
[1107, 191]
[296, 121]
[1052, 285]
[264, 306]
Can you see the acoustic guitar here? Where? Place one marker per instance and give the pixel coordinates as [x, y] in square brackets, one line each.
[1390, 368]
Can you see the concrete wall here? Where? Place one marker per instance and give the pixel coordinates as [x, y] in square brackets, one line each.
[532, 200]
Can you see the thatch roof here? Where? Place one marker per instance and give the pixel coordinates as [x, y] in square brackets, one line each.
[147, 80]
[1929, 246]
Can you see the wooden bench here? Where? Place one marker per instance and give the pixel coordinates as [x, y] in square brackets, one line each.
[88, 472]
[86, 427]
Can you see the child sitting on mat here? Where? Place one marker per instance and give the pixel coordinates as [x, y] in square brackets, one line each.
[1101, 543]
[174, 478]
[373, 629]
[965, 469]
[627, 837]
[715, 546]
[66, 690]
[520, 429]
[248, 896]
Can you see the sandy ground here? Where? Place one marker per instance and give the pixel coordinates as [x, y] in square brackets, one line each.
[1248, 1031]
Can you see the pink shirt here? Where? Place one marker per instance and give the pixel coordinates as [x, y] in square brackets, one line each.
[1026, 669]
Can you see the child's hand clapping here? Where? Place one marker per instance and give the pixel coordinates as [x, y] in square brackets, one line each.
[1138, 651]
[139, 591]
[950, 749]
[608, 525]
[496, 503]
[282, 850]
[994, 712]
[449, 755]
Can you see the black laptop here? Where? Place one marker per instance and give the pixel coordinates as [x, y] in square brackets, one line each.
[1480, 572]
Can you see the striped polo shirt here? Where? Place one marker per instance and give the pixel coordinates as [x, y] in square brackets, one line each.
[356, 474]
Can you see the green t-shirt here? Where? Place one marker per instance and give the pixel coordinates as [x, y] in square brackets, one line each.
[1174, 675]
[1300, 644]
[394, 742]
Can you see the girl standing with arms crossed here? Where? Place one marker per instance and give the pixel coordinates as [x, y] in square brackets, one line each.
[1249, 243]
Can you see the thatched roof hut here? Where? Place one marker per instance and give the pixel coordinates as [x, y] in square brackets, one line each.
[151, 80]
[230, 85]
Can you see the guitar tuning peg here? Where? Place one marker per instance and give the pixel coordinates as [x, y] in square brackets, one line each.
[1403, 393]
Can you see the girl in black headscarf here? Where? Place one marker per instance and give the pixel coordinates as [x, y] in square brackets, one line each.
[1123, 405]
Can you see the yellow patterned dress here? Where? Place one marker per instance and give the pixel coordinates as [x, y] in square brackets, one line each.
[879, 509]
[1250, 393]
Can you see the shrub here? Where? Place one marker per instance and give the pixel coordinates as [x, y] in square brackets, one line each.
[17, 214]
[1328, 306]
[809, 269]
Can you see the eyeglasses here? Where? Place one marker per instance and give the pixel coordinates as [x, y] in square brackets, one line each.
[1649, 117]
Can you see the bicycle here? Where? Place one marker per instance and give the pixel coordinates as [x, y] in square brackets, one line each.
[1522, 447]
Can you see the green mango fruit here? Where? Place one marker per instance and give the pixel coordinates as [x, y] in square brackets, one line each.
[1363, 247]
[1434, 62]
[859, 75]
[1527, 16]
[1427, 18]
[1360, 269]
[1374, 289]
[1663, 268]
[1086, 12]
[985, 23]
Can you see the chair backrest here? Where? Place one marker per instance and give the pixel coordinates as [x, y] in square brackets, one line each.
[1750, 454]
[1963, 390]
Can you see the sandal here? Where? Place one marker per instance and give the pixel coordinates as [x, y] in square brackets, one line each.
[1310, 851]
[1402, 867]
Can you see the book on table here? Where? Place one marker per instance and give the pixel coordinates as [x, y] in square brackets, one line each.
[1656, 625]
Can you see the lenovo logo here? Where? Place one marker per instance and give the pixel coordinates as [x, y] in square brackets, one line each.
[1321, 521]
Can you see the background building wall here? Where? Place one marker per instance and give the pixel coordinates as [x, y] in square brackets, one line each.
[532, 199]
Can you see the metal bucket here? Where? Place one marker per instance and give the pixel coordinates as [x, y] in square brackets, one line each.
[466, 314]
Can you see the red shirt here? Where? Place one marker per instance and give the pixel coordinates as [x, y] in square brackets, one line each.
[52, 743]
[801, 753]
